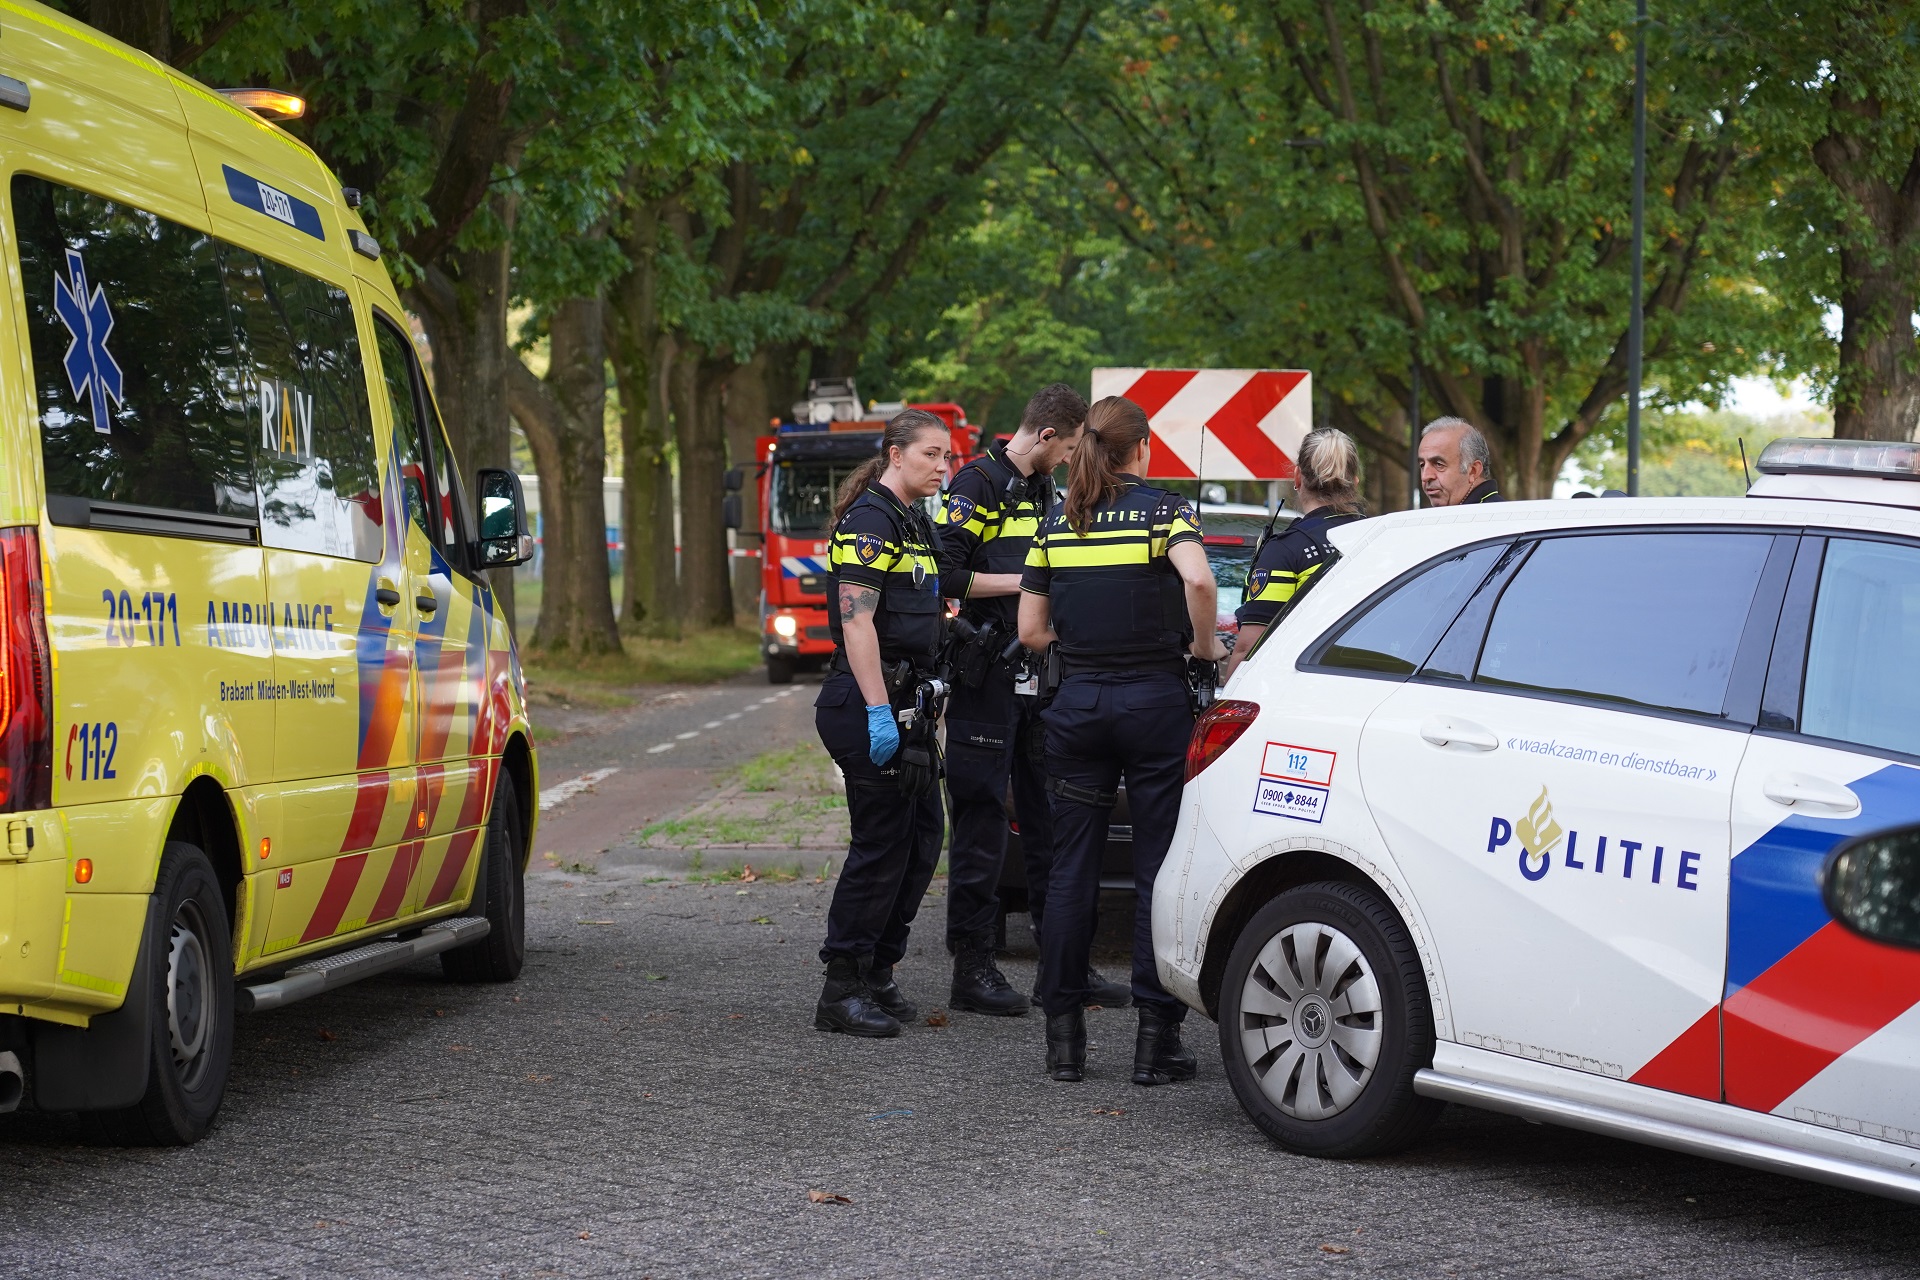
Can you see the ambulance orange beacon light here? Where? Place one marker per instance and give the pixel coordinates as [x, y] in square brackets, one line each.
[269, 104]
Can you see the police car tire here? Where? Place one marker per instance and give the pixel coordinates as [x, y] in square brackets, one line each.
[780, 670]
[499, 894]
[1387, 1115]
[192, 938]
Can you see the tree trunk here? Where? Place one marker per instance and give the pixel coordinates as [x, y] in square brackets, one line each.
[462, 302]
[748, 410]
[635, 347]
[699, 387]
[564, 417]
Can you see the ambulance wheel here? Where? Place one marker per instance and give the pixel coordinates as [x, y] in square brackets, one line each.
[1324, 1020]
[499, 894]
[780, 670]
[190, 1049]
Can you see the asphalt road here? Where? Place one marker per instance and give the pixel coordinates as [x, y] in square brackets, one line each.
[651, 1099]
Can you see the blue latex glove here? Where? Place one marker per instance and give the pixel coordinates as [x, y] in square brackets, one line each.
[883, 734]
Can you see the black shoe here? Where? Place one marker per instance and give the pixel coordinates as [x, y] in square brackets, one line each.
[847, 1004]
[887, 994]
[1158, 1055]
[980, 987]
[1100, 992]
[1109, 995]
[1067, 1046]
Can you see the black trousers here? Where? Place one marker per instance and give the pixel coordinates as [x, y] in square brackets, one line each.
[1101, 727]
[987, 732]
[895, 841]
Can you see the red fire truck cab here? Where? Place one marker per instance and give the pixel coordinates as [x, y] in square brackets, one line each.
[797, 471]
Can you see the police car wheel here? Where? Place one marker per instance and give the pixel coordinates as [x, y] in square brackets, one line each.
[190, 963]
[499, 894]
[1324, 1020]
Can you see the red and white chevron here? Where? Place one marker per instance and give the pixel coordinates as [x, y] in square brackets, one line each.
[1236, 424]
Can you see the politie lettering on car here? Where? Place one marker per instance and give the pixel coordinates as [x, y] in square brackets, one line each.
[1443, 842]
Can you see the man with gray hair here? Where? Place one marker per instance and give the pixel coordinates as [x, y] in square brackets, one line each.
[1456, 467]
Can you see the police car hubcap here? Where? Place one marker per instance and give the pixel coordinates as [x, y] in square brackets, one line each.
[1310, 1021]
[187, 978]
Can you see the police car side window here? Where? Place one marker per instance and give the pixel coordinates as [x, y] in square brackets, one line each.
[307, 392]
[1396, 634]
[1864, 644]
[136, 373]
[1650, 619]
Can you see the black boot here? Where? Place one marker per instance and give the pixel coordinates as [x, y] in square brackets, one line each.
[887, 994]
[847, 1003]
[1108, 995]
[1105, 994]
[1067, 1046]
[980, 987]
[1158, 1055]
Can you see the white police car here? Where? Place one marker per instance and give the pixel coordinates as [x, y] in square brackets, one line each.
[1525, 806]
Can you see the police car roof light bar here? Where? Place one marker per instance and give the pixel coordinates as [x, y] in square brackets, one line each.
[1888, 460]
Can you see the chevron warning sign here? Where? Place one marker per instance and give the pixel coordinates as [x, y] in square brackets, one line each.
[1237, 424]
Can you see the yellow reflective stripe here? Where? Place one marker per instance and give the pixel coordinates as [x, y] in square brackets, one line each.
[1072, 554]
[1019, 527]
[1037, 553]
[87, 981]
[1281, 587]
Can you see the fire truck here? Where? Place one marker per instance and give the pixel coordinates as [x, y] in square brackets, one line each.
[797, 470]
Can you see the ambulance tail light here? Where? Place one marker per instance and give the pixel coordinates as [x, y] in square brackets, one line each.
[1217, 730]
[26, 677]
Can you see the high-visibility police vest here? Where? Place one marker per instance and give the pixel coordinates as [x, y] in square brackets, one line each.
[1117, 600]
[881, 543]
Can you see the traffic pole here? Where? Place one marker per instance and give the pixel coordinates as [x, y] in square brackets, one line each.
[1413, 439]
[1636, 329]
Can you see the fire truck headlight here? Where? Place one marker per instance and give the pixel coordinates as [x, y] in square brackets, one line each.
[785, 626]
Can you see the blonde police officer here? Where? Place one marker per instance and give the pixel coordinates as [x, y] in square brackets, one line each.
[888, 624]
[1118, 578]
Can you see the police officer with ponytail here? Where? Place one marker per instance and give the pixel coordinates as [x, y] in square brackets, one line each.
[1329, 479]
[1118, 579]
[888, 625]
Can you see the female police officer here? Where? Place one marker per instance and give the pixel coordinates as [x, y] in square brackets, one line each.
[1118, 578]
[887, 623]
[1329, 469]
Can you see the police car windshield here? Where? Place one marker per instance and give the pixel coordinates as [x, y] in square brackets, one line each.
[800, 495]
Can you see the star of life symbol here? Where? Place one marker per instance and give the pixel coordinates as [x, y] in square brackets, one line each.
[91, 369]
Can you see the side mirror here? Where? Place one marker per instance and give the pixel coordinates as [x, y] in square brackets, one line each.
[734, 479]
[504, 540]
[1871, 885]
[730, 509]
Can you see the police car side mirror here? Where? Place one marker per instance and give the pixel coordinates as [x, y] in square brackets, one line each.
[504, 540]
[730, 510]
[1872, 886]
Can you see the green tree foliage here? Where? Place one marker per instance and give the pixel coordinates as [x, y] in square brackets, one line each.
[1695, 453]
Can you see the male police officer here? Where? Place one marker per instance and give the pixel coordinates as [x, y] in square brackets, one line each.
[987, 523]
[1456, 467]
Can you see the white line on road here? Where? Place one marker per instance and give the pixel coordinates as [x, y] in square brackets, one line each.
[691, 733]
[711, 724]
[734, 716]
[567, 790]
[665, 746]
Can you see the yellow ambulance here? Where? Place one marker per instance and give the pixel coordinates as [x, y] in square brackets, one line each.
[262, 725]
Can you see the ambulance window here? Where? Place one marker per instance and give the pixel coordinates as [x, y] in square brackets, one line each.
[1397, 633]
[396, 372]
[1863, 648]
[136, 372]
[1651, 619]
[450, 500]
[307, 396]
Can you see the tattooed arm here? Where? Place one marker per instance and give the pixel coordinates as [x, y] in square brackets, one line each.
[856, 605]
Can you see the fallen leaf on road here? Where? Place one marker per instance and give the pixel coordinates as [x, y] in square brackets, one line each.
[655, 977]
[1109, 1111]
[327, 1035]
[762, 920]
[735, 1017]
[1334, 1248]
[593, 922]
[539, 1079]
[827, 1197]
[937, 1019]
[441, 1013]
[458, 1048]
[586, 1235]
[748, 875]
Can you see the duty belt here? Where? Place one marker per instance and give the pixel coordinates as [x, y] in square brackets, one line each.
[1173, 664]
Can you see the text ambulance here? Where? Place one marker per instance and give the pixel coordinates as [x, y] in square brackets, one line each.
[1525, 806]
[262, 726]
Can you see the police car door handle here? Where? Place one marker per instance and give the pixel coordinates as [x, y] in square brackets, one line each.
[1445, 731]
[386, 596]
[1803, 790]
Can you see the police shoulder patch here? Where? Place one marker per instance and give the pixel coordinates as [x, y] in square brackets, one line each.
[868, 547]
[1257, 581]
[960, 509]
